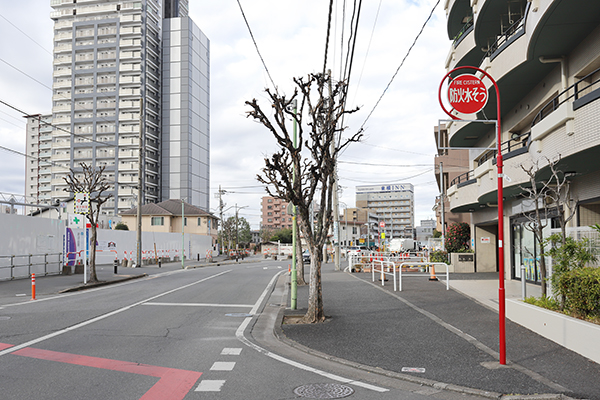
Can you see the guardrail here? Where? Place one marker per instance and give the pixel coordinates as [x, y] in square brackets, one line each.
[21, 266]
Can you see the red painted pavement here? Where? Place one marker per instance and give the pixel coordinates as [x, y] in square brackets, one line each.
[174, 384]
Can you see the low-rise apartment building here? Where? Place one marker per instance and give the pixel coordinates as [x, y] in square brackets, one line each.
[545, 58]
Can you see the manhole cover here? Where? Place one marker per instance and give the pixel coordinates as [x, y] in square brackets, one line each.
[242, 315]
[324, 391]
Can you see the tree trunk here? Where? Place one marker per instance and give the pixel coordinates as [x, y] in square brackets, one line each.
[93, 276]
[299, 261]
[315, 311]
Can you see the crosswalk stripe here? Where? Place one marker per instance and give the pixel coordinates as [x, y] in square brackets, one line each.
[210, 385]
[222, 366]
[231, 351]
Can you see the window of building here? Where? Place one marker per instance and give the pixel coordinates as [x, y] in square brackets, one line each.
[185, 221]
[158, 221]
[199, 221]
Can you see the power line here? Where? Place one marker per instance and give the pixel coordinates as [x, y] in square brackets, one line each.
[255, 45]
[57, 127]
[327, 38]
[386, 165]
[368, 49]
[30, 38]
[401, 64]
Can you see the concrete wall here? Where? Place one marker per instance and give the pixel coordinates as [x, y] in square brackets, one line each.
[23, 236]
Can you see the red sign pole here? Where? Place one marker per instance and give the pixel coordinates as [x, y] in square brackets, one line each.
[499, 165]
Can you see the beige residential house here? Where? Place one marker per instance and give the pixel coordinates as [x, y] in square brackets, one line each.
[167, 217]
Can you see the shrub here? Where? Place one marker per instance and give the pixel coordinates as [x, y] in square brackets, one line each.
[458, 238]
[121, 226]
[581, 288]
[438, 256]
[567, 257]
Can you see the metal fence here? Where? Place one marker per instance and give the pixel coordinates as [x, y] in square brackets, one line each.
[23, 265]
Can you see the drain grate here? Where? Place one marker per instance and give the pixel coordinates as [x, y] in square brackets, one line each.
[324, 391]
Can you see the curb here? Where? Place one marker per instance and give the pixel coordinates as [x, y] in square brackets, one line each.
[104, 283]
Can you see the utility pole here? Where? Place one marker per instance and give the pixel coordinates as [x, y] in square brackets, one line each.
[442, 200]
[221, 205]
[294, 272]
[182, 233]
[140, 174]
[336, 205]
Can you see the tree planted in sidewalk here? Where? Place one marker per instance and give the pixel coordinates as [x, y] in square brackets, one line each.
[305, 173]
[92, 181]
[550, 198]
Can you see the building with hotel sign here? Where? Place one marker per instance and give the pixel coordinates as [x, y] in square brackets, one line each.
[393, 204]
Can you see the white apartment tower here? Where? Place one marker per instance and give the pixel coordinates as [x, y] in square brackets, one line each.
[110, 56]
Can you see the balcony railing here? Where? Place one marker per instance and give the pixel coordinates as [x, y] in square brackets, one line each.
[467, 27]
[518, 142]
[578, 88]
[505, 37]
[462, 178]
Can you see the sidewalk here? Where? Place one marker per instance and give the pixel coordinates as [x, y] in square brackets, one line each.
[432, 335]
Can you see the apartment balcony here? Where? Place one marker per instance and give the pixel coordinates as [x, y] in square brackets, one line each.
[59, 25]
[464, 50]
[477, 189]
[129, 67]
[97, 9]
[129, 92]
[62, 72]
[62, 107]
[129, 142]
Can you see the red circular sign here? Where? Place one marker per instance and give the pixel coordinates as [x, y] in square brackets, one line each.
[467, 94]
[382, 224]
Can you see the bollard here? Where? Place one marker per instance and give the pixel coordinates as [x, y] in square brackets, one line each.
[115, 264]
[32, 286]
[523, 283]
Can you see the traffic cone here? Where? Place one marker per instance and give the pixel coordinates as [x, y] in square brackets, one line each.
[432, 277]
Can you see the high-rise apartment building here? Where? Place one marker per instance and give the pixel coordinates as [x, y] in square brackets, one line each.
[392, 204]
[38, 169]
[125, 70]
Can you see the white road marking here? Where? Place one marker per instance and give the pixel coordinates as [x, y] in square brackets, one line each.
[240, 335]
[210, 386]
[101, 317]
[231, 351]
[198, 305]
[222, 366]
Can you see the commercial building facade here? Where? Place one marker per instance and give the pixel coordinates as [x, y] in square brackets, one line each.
[545, 57]
[124, 71]
[392, 204]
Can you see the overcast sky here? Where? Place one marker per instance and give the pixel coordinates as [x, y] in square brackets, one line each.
[398, 146]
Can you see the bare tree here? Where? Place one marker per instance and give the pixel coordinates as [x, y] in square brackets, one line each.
[548, 198]
[313, 159]
[93, 181]
[559, 194]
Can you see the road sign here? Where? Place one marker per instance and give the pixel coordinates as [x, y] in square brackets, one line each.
[82, 202]
[467, 94]
[382, 224]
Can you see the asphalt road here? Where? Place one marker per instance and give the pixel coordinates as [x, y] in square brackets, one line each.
[203, 333]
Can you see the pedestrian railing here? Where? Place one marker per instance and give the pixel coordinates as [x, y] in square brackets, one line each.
[22, 266]
[426, 265]
[384, 269]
